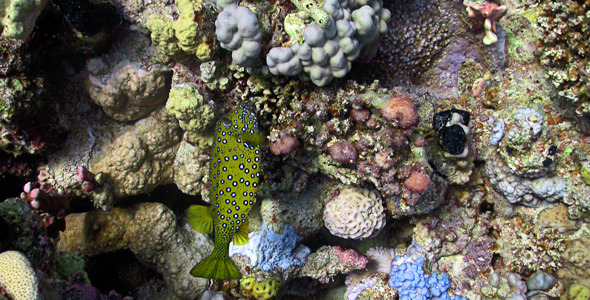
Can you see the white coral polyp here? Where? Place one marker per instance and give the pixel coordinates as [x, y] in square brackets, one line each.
[356, 213]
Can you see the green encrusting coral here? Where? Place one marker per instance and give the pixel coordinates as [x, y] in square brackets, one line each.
[234, 172]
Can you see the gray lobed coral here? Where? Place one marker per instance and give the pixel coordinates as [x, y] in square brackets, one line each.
[328, 53]
[238, 31]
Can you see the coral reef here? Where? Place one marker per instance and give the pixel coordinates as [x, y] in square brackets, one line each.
[184, 33]
[268, 250]
[405, 158]
[408, 278]
[150, 231]
[265, 290]
[187, 104]
[371, 288]
[505, 286]
[126, 91]
[522, 167]
[485, 16]
[326, 48]
[327, 262]
[424, 21]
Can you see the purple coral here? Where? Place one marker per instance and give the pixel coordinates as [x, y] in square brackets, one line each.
[343, 152]
[284, 144]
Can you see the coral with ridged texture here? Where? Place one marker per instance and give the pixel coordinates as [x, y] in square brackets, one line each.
[265, 290]
[17, 276]
[356, 213]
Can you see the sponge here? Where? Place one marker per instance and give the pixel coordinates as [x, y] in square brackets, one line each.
[17, 276]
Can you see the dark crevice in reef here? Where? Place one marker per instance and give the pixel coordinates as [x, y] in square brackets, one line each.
[121, 272]
[168, 195]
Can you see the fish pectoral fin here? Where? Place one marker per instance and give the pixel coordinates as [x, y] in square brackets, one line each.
[200, 218]
[255, 138]
[241, 236]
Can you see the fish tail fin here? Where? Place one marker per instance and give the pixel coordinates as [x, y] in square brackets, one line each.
[216, 268]
[200, 218]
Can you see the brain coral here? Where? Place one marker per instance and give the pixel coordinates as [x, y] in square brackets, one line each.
[17, 276]
[355, 213]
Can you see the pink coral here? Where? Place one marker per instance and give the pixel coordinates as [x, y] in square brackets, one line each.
[485, 17]
[418, 182]
[400, 109]
[350, 257]
[284, 144]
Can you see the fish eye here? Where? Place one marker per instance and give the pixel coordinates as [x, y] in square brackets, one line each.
[226, 122]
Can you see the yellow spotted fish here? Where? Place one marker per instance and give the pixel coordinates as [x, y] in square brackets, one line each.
[234, 172]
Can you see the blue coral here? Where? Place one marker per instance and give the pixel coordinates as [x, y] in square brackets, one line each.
[269, 250]
[280, 250]
[408, 278]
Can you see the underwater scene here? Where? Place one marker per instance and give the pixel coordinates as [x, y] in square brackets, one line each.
[295, 149]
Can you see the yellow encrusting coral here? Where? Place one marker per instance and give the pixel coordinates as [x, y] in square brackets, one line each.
[17, 276]
[172, 37]
[188, 105]
[265, 290]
